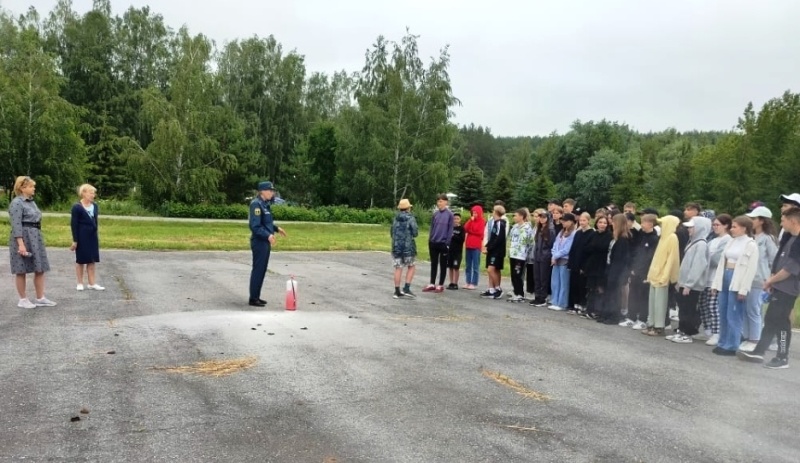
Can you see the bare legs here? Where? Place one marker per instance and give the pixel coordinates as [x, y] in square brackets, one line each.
[90, 272]
[38, 284]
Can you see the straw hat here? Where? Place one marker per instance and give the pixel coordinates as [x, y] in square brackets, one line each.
[404, 204]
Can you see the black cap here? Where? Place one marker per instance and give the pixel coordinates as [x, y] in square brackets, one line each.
[648, 210]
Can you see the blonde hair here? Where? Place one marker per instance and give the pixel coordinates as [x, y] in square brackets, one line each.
[20, 183]
[499, 210]
[84, 188]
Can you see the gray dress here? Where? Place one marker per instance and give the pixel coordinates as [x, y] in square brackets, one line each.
[24, 210]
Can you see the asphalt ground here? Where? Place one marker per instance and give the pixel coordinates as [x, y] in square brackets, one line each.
[356, 376]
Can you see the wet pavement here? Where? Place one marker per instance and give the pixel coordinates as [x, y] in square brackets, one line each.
[356, 376]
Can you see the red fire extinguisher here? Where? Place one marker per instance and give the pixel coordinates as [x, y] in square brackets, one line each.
[291, 294]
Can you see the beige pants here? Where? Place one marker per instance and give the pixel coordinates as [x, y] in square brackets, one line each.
[657, 307]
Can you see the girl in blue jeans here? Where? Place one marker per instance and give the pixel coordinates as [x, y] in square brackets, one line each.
[559, 279]
[733, 281]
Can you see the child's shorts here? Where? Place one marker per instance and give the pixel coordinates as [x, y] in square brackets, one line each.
[495, 260]
[454, 260]
[400, 262]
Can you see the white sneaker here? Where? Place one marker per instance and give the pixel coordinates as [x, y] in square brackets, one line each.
[673, 336]
[44, 302]
[515, 298]
[713, 340]
[79, 287]
[747, 346]
[26, 304]
[682, 339]
[627, 323]
[639, 326]
[557, 308]
[96, 287]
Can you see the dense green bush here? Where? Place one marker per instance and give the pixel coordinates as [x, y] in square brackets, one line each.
[204, 211]
[338, 214]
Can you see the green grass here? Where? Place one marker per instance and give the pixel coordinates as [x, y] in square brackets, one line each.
[149, 235]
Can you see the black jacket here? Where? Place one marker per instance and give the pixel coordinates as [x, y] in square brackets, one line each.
[543, 246]
[576, 251]
[595, 253]
[644, 247]
[496, 246]
[618, 271]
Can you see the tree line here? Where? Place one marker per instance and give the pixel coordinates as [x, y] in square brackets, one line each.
[160, 115]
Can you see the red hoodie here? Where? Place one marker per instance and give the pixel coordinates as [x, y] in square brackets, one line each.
[475, 228]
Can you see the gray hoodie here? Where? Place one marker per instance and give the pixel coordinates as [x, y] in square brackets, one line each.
[715, 249]
[694, 267]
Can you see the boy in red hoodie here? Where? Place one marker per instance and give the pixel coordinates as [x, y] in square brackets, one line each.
[475, 227]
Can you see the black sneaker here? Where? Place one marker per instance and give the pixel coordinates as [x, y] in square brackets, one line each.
[777, 364]
[408, 293]
[256, 303]
[498, 293]
[452, 286]
[487, 293]
[398, 295]
[749, 357]
[724, 352]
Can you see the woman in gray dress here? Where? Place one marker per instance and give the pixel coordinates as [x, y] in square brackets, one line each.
[25, 245]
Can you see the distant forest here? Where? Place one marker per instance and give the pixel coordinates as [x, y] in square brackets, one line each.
[158, 115]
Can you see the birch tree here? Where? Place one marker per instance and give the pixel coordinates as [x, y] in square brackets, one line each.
[401, 140]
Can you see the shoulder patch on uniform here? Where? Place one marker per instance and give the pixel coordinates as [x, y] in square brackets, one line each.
[257, 211]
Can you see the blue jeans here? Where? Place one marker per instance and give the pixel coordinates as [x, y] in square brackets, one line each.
[473, 266]
[751, 328]
[559, 286]
[731, 311]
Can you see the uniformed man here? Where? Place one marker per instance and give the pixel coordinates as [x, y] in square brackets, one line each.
[263, 230]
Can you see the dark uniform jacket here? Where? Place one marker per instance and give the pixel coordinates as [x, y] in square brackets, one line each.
[262, 225]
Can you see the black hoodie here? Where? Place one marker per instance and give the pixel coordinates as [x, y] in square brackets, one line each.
[644, 247]
[595, 254]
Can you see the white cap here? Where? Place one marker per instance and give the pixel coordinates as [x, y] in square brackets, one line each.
[792, 198]
[760, 211]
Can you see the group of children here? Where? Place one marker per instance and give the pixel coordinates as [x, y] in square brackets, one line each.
[717, 270]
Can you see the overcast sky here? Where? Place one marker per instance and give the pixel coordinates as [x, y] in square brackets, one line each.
[532, 67]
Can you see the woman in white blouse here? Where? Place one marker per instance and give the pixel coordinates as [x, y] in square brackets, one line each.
[733, 281]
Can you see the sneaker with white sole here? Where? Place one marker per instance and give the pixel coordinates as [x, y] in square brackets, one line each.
[79, 287]
[750, 357]
[777, 364]
[747, 346]
[682, 339]
[515, 298]
[673, 336]
[627, 323]
[713, 340]
[26, 304]
[96, 287]
[556, 308]
[639, 326]
[44, 302]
